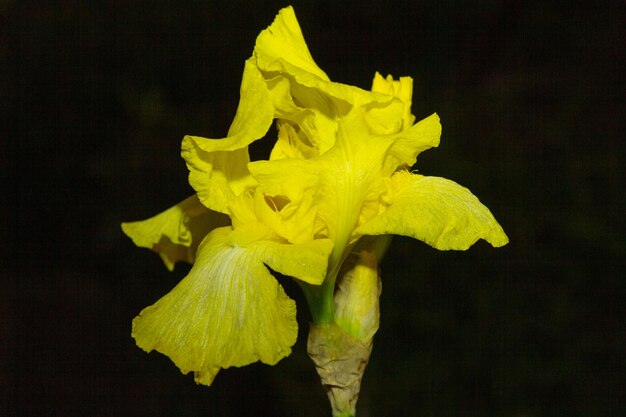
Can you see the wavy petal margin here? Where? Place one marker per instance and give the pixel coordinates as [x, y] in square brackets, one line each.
[283, 41]
[436, 211]
[218, 167]
[229, 311]
[176, 233]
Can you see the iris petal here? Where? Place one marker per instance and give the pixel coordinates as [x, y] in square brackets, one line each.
[176, 233]
[307, 261]
[284, 40]
[407, 144]
[303, 94]
[229, 311]
[217, 167]
[437, 211]
[401, 88]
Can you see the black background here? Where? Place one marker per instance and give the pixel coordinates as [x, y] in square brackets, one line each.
[95, 98]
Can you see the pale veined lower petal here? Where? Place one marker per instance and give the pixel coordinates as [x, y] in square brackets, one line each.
[228, 311]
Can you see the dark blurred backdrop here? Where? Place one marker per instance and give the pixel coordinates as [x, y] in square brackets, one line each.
[95, 97]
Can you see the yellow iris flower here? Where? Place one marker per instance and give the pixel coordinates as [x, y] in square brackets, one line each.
[337, 172]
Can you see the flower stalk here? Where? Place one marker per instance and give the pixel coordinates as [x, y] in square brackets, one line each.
[341, 349]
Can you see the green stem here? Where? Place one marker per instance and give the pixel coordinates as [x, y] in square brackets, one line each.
[320, 298]
[343, 414]
[320, 305]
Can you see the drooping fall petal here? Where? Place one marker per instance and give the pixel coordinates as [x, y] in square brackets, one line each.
[229, 311]
[176, 233]
[437, 211]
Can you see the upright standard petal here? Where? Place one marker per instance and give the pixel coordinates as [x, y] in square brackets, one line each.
[176, 233]
[283, 40]
[304, 95]
[217, 167]
[401, 88]
[437, 211]
[229, 311]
